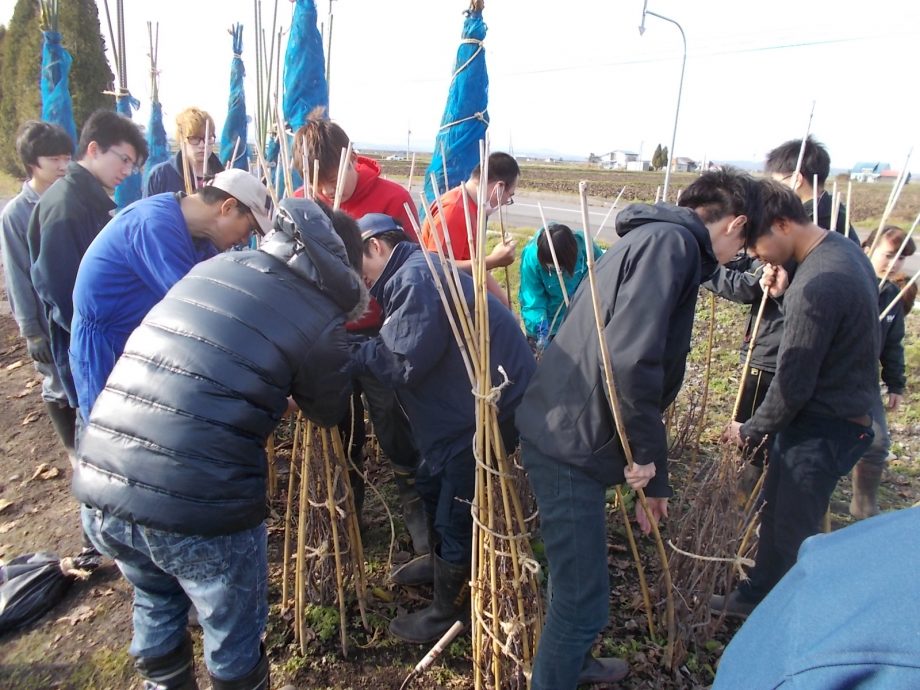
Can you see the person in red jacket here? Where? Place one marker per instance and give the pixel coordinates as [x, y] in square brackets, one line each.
[364, 190]
[366, 193]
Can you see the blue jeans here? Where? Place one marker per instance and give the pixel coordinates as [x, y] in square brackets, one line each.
[806, 460]
[225, 577]
[573, 524]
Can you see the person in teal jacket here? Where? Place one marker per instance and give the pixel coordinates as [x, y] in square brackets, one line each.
[542, 306]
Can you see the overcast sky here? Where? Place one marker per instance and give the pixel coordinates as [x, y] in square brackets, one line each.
[576, 77]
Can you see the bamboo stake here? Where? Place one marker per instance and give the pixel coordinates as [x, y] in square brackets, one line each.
[815, 199]
[835, 208]
[634, 548]
[308, 191]
[504, 240]
[336, 551]
[272, 470]
[658, 194]
[236, 147]
[411, 174]
[302, 537]
[892, 201]
[899, 296]
[353, 529]
[621, 429]
[344, 161]
[849, 196]
[267, 174]
[286, 558]
[900, 251]
[603, 224]
[552, 251]
[701, 424]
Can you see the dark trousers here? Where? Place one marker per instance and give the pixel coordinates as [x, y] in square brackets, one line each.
[806, 460]
[448, 496]
[752, 395]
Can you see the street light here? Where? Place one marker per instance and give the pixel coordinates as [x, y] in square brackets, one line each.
[680, 89]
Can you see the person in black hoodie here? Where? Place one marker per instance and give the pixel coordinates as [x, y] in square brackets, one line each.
[194, 162]
[648, 284]
[416, 354]
[172, 467]
[739, 280]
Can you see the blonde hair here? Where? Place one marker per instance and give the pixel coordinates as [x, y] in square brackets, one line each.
[191, 122]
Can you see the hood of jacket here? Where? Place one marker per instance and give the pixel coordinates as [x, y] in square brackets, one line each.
[401, 252]
[368, 173]
[637, 215]
[304, 239]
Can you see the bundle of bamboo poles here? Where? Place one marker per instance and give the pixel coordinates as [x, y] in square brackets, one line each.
[507, 611]
[329, 556]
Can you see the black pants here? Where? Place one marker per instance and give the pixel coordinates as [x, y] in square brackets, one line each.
[806, 460]
[755, 390]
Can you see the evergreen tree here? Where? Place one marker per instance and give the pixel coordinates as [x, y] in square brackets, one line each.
[656, 158]
[20, 69]
[665, 157]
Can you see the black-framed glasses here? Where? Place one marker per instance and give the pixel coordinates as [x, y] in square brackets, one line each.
[126, 160]
[197, 141]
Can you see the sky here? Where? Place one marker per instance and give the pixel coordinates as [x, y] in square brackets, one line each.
[575, 78]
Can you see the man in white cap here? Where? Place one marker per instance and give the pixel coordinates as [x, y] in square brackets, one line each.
[140, 254]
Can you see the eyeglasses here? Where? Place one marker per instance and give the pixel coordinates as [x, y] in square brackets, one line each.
[126, 160]
[197, 141]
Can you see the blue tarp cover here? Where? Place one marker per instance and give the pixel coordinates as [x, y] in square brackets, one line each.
[57, 107]
[233, 136]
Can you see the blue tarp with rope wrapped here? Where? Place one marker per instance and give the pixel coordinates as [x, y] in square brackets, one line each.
[233, 141]
[466, 115]
[57, 106]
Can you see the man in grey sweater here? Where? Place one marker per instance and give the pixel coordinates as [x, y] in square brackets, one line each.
[816, 411]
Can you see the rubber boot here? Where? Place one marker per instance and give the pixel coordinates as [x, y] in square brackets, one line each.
[605, 670]
[451, 604]
[173, 671]
[418, 571]
[64, 420]
[414, 514]
[866, 480]
[257, 679]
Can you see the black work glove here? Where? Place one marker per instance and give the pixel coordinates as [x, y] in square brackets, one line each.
[39, 349]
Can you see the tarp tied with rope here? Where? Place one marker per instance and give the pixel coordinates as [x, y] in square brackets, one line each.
[157, 144]
[305, 85]
[233, 143]
[466, 115]
[57, 107]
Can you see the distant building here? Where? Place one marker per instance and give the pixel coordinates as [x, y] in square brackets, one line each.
[638, 166]
[617, 160]
[683, 164]
[871, 171]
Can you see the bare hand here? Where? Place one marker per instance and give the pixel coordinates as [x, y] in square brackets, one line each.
[775, 280]
[638, 476]
[658, 507]
[501, 255]
[894, 401]
[732, 434]
[292, 408]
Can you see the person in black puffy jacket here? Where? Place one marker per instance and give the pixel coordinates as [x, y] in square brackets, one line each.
[171, 467]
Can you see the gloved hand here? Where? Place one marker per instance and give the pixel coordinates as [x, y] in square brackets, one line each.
[39, 349]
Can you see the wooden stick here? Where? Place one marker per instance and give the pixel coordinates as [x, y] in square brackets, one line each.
[892, 202]
[815, 199]
[411, 174]
[899, 296]
[552, 251]
[336, 550]
[286, 558]
[600, 228]
[849, 197]
[344, 161]
[835, 208]
[236, 147]
[315, 178]
[755, 331]
[658, 194]
[634, 548]
[504, 240]
[614, 401]
[308, 191]
[302, 536]
[900, 251]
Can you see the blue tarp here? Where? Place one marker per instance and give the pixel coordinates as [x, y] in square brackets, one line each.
[466, 115]
[57, 107]
[156, 139]
[305, 84]
[128, 191]
[233, 136]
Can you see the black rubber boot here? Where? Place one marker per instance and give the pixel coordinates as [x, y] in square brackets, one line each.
[418, 571]
[64, 420]
[257, 679]
[173, 671]
[414, 514]
[604, 670]
[451, 604]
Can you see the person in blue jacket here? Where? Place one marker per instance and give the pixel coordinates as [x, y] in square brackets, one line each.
[542, 305]
[186, 171]
[847, 615]
[416, 354]
[140, 254]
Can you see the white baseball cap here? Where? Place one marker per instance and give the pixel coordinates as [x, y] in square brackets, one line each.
[249, 191]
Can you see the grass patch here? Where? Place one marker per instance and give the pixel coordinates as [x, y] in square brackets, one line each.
[9, 185]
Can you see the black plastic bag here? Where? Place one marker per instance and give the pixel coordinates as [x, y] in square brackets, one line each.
[31, 585]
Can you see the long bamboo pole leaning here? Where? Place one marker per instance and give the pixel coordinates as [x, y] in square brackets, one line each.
[621, 428]
[552, 251]
[897, 299]
[600, 228]
[849, 230]
[892, 201]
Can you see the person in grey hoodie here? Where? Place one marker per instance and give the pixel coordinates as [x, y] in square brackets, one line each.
[648, 284]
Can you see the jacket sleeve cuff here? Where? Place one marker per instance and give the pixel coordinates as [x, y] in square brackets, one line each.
[750, 435]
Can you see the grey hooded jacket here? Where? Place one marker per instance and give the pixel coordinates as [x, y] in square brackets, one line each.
[176, 439]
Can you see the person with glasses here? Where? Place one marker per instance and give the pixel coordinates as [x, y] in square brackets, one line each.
[504, 174]
[141, 254]
[67, 219]
[193, 163]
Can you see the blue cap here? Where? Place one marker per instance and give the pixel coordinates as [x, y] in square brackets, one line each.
[373, 224]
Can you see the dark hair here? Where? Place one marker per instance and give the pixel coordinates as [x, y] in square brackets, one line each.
[779, 202]
[214, 195]
[719, 193]
[347, 228]
[909, 296]
[36, 138]
[815, 161]
[896, 235]
[390, 238]
[502, 168]
[324, 141]
[107, 128]
[564, 243]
